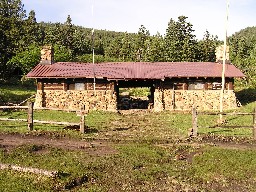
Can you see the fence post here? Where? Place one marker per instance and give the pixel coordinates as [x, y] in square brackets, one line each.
[82, 120]
[194, 122]
[254, 124]
[30, 116]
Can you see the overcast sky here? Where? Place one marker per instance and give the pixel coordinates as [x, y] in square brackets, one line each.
[129, 15]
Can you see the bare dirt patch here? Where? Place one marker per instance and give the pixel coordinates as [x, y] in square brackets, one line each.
[99, 148]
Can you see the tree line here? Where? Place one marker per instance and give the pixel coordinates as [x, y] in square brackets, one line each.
[21, 39]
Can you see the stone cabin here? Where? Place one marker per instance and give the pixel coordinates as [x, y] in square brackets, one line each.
[173, 85]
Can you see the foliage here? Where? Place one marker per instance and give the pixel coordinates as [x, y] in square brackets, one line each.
[88, 58]
[180, 43]
[207, 47]
[11, 16]
[155, 49]
[26, 59]
[243, 53]
[137, 92]
[62, 54]
[21, 36]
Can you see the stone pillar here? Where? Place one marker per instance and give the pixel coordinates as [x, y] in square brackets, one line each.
[158, 103]
[39, 95]
[47, 55]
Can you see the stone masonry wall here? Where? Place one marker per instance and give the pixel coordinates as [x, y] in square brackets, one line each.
[73, 99]
[186, 99]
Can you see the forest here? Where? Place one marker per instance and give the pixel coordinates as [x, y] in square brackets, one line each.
[21, 39]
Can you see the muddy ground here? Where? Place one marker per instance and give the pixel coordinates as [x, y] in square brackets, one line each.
[105, 147]
[13, 140]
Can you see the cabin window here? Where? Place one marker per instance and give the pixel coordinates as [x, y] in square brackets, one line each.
[71, 86]
[199, 86]
[79, 86]
[178, 86]
[76, 86]
[196, 86]
[216, 86]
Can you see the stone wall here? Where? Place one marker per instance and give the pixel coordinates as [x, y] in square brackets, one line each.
[185, 99]
[74, 99]
[65, 95]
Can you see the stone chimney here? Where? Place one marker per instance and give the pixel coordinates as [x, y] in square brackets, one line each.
[47, 55]
[219, 54]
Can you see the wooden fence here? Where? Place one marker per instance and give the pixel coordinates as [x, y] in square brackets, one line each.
[30, 117]
[194, 130]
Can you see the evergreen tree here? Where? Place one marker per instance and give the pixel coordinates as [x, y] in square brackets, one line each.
[127, 48]
[155, 51]
[32, 33]
[11, 20]
[141, 44]
[207, 47]
[180, 43]
[243, 52]
[67, 34]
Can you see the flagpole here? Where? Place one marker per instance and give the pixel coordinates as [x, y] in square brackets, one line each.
[94, 79]
[224, 63]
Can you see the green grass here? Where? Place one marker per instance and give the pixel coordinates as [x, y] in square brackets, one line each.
[15, 93]
[206, 121]
[152, 153]
[139, 126]
[135, 167]
[149, 126]
[224, 169]
[70, 165]
[11, 181]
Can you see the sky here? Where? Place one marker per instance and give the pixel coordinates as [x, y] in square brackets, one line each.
[129, 15]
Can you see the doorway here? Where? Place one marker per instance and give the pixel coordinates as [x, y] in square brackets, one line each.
[135, 95]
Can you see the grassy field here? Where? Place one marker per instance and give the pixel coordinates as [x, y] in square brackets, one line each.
[134, 152]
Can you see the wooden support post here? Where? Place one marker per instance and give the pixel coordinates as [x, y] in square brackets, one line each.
[254, 124]
[194, 122]
[30, 116]
[82, 120]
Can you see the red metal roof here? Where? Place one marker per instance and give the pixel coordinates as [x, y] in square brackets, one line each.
[133, 70]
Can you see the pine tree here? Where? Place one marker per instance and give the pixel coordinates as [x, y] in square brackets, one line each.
[11, 21]
[207, 47]
[180, 43]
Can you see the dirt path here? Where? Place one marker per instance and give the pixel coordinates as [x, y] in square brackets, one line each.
[97, 147]
[9, 141]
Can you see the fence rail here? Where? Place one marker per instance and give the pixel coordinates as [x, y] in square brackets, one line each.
[14, 107]
[30, 120]
[194, 130]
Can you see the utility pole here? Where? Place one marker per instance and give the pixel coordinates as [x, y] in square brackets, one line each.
[224, 64]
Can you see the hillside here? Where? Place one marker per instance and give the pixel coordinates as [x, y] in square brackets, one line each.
[243, 52]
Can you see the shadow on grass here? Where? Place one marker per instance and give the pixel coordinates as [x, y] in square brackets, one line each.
[63, 174]
[8, 97]
[121, 129]
[77, 128]
[220, 131]
[246, 96]
[14, 126]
